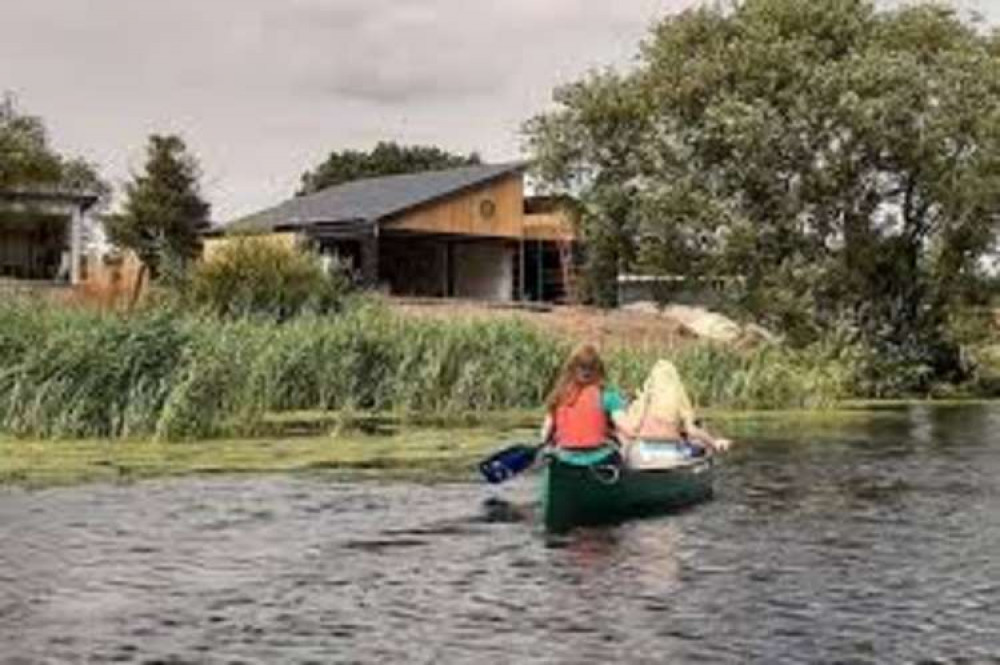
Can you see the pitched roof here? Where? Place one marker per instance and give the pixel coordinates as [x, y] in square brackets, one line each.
[372, 199]
[48, 194]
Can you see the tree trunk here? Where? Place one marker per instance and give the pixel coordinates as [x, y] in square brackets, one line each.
[140, 278]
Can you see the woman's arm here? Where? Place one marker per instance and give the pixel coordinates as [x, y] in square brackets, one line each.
[623, 427]
[548, 429]
[616, 407]
[700, 435]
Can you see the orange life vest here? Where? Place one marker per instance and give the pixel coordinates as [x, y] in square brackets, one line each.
[582, 423]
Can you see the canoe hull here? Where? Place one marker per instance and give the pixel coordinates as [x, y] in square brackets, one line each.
[579, 495]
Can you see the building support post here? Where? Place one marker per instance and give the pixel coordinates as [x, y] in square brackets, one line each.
[446, 270]
[370, 260]
[75, 244]
[522, 276]
[541, 270]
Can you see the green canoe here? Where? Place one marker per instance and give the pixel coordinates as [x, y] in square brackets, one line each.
[592, 488]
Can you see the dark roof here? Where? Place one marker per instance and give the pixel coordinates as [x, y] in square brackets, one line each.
[48, 194]
[368, 201]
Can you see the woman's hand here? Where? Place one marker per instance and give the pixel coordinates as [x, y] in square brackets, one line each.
[722, 445]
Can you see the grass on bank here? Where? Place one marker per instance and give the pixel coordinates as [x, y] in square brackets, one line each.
[417, 454]
[174, 375]
[353, 447]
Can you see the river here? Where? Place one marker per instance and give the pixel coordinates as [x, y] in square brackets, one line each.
[874, 540]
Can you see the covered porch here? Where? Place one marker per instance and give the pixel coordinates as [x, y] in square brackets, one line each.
[425, 265]
[41, 236]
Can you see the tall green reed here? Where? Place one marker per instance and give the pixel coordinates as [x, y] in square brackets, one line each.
[175, 375]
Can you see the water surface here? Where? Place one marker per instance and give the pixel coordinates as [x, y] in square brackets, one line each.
[875, 540]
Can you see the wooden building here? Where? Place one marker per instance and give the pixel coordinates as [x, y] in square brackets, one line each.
[467, 232]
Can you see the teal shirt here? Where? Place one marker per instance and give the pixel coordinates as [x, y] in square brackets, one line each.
[612, 400]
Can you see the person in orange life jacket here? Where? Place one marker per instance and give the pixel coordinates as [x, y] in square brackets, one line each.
[582, 412]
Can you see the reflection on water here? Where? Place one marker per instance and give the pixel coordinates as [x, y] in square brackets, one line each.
[872, 542]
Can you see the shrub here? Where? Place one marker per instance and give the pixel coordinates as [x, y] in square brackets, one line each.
[260, 276]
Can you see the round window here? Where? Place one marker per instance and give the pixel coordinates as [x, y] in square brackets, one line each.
[487, 208]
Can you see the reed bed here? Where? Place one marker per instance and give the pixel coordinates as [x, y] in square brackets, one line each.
[72, 373]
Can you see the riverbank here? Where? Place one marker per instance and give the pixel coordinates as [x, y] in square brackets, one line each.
[378, 447]
[419, 454]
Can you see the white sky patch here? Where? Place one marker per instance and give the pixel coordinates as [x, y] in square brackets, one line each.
[263, 90]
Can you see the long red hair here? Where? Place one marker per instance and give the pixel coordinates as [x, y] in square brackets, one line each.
[583, 368]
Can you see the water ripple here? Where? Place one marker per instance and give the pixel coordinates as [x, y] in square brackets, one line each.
[867, 547]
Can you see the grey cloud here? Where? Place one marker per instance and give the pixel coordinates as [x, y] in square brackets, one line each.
[263, 89]
[401, 52]
[392, 53]
[395, 54]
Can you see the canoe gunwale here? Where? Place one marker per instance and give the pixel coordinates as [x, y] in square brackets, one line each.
[695, 466]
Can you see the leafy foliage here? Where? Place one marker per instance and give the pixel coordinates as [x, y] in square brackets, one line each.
[28, 160]
[163, 211]
[840, 159]
[258, 276]
[387, 158]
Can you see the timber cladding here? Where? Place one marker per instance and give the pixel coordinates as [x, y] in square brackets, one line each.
[492, 210]
[552, 226]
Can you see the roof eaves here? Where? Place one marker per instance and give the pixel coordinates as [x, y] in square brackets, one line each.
[50, 194]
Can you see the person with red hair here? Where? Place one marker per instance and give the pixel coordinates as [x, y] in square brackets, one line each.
[582, 412]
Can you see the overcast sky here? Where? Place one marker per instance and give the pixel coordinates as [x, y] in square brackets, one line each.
[263, 89]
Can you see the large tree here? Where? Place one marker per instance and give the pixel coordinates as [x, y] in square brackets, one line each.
[840, 159]
[163, 212]
[27, 159]
[387, 158]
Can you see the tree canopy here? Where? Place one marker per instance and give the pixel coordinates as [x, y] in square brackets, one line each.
[27, 159]
[163, 211]
[841, 160]
[387, 158]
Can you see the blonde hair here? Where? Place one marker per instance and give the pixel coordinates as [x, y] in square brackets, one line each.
[662, 398]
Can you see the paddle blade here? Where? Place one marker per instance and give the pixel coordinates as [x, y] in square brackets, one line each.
[508, 462]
